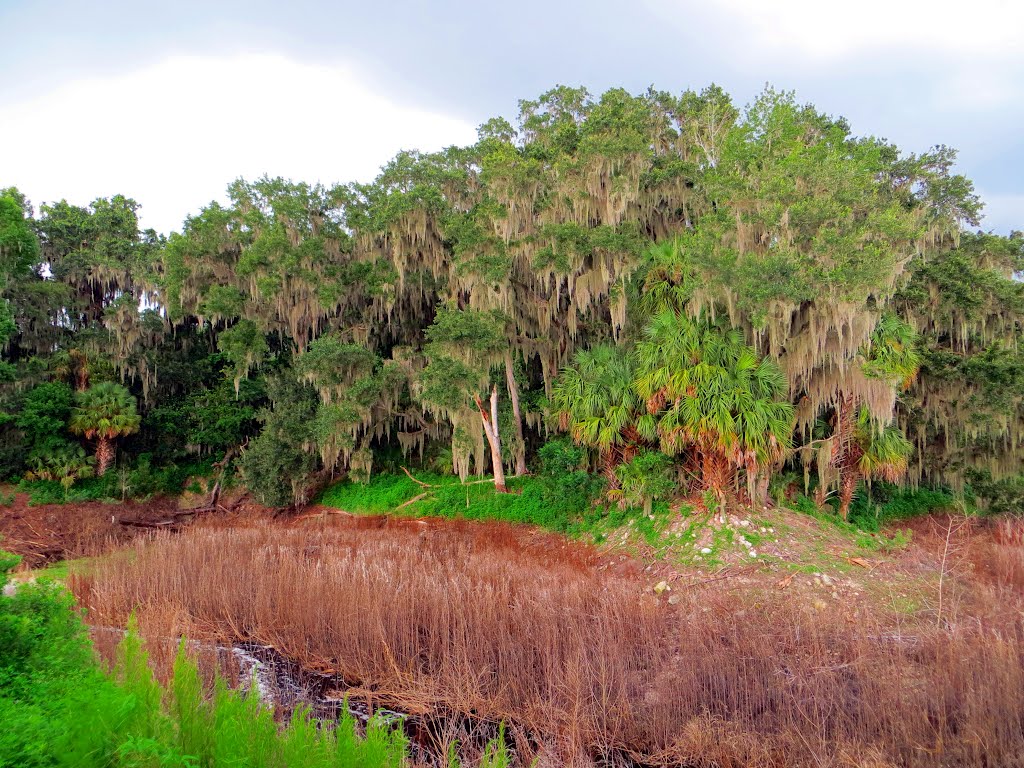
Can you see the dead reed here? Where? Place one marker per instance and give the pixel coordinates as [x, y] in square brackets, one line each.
[586, 666]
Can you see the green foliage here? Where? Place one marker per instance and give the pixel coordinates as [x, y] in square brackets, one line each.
[525, 254]
[646, 477]
[245, 346]
[276, 465]
[711, 392]
[887, 503]
[43, 419]
[64, 464]
[596, 402]
[105, 410]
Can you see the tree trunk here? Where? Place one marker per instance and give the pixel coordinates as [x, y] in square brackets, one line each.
[847, 485]
[715, 473]
[104, 455]
[611, 461]
[493, 438]
[845, 458]
[517, 415]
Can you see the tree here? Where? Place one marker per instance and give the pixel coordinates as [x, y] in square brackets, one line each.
[714, 400]
[644, 478]
[104, 412]
[279, 464]
[464, 347]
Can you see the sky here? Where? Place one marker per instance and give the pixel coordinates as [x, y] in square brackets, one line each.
[167, 103]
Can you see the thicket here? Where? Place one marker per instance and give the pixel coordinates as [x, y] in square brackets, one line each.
[739, 291]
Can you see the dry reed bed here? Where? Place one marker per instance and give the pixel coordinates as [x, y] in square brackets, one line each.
[594, 667]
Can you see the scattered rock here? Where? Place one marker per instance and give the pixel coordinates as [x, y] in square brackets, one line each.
[673, 599]
[10, 590]
[753, 553]
[661, 586]
[706, 551]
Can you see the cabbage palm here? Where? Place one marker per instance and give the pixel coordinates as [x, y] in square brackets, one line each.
[861, 447]
[594, 400]
[872, 452]
[104, 412]
[713, 398]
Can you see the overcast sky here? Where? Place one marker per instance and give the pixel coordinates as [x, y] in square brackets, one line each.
[168, 102]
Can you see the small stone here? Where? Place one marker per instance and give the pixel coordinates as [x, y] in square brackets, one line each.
[661, 586]
[826, 580]
[10, 590]
[744, 523]
[753, 553]
[673, 599]
[821, 605]
[817, 581]
[763, 529]
[706, 551]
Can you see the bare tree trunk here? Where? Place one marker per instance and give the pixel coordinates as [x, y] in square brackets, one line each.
[493, 438]
[104, 454]
[517, 416]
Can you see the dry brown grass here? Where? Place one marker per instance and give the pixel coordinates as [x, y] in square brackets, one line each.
[586, 665]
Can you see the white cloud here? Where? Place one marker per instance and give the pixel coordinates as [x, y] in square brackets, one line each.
[173, 135]
[827, 31]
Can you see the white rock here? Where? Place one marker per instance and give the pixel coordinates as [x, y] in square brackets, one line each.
[10, 590]
[753, 553]
[706, 551]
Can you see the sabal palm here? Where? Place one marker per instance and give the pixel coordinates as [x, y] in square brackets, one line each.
[863, 447]
[104, 412]
[884, 453]
[594, 400]
[712, 395]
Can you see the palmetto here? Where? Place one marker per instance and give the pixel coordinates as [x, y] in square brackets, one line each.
[104, 412]
[595, 401]
[713, 397]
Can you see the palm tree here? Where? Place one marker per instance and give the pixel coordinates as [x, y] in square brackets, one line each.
[862, 445]
[104, 412]
[872, 452]
[595, 402]
[713, 399]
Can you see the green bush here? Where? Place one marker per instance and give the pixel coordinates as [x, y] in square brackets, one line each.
[887, 503]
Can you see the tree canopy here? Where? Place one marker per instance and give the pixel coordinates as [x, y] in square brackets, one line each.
[732, 289]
